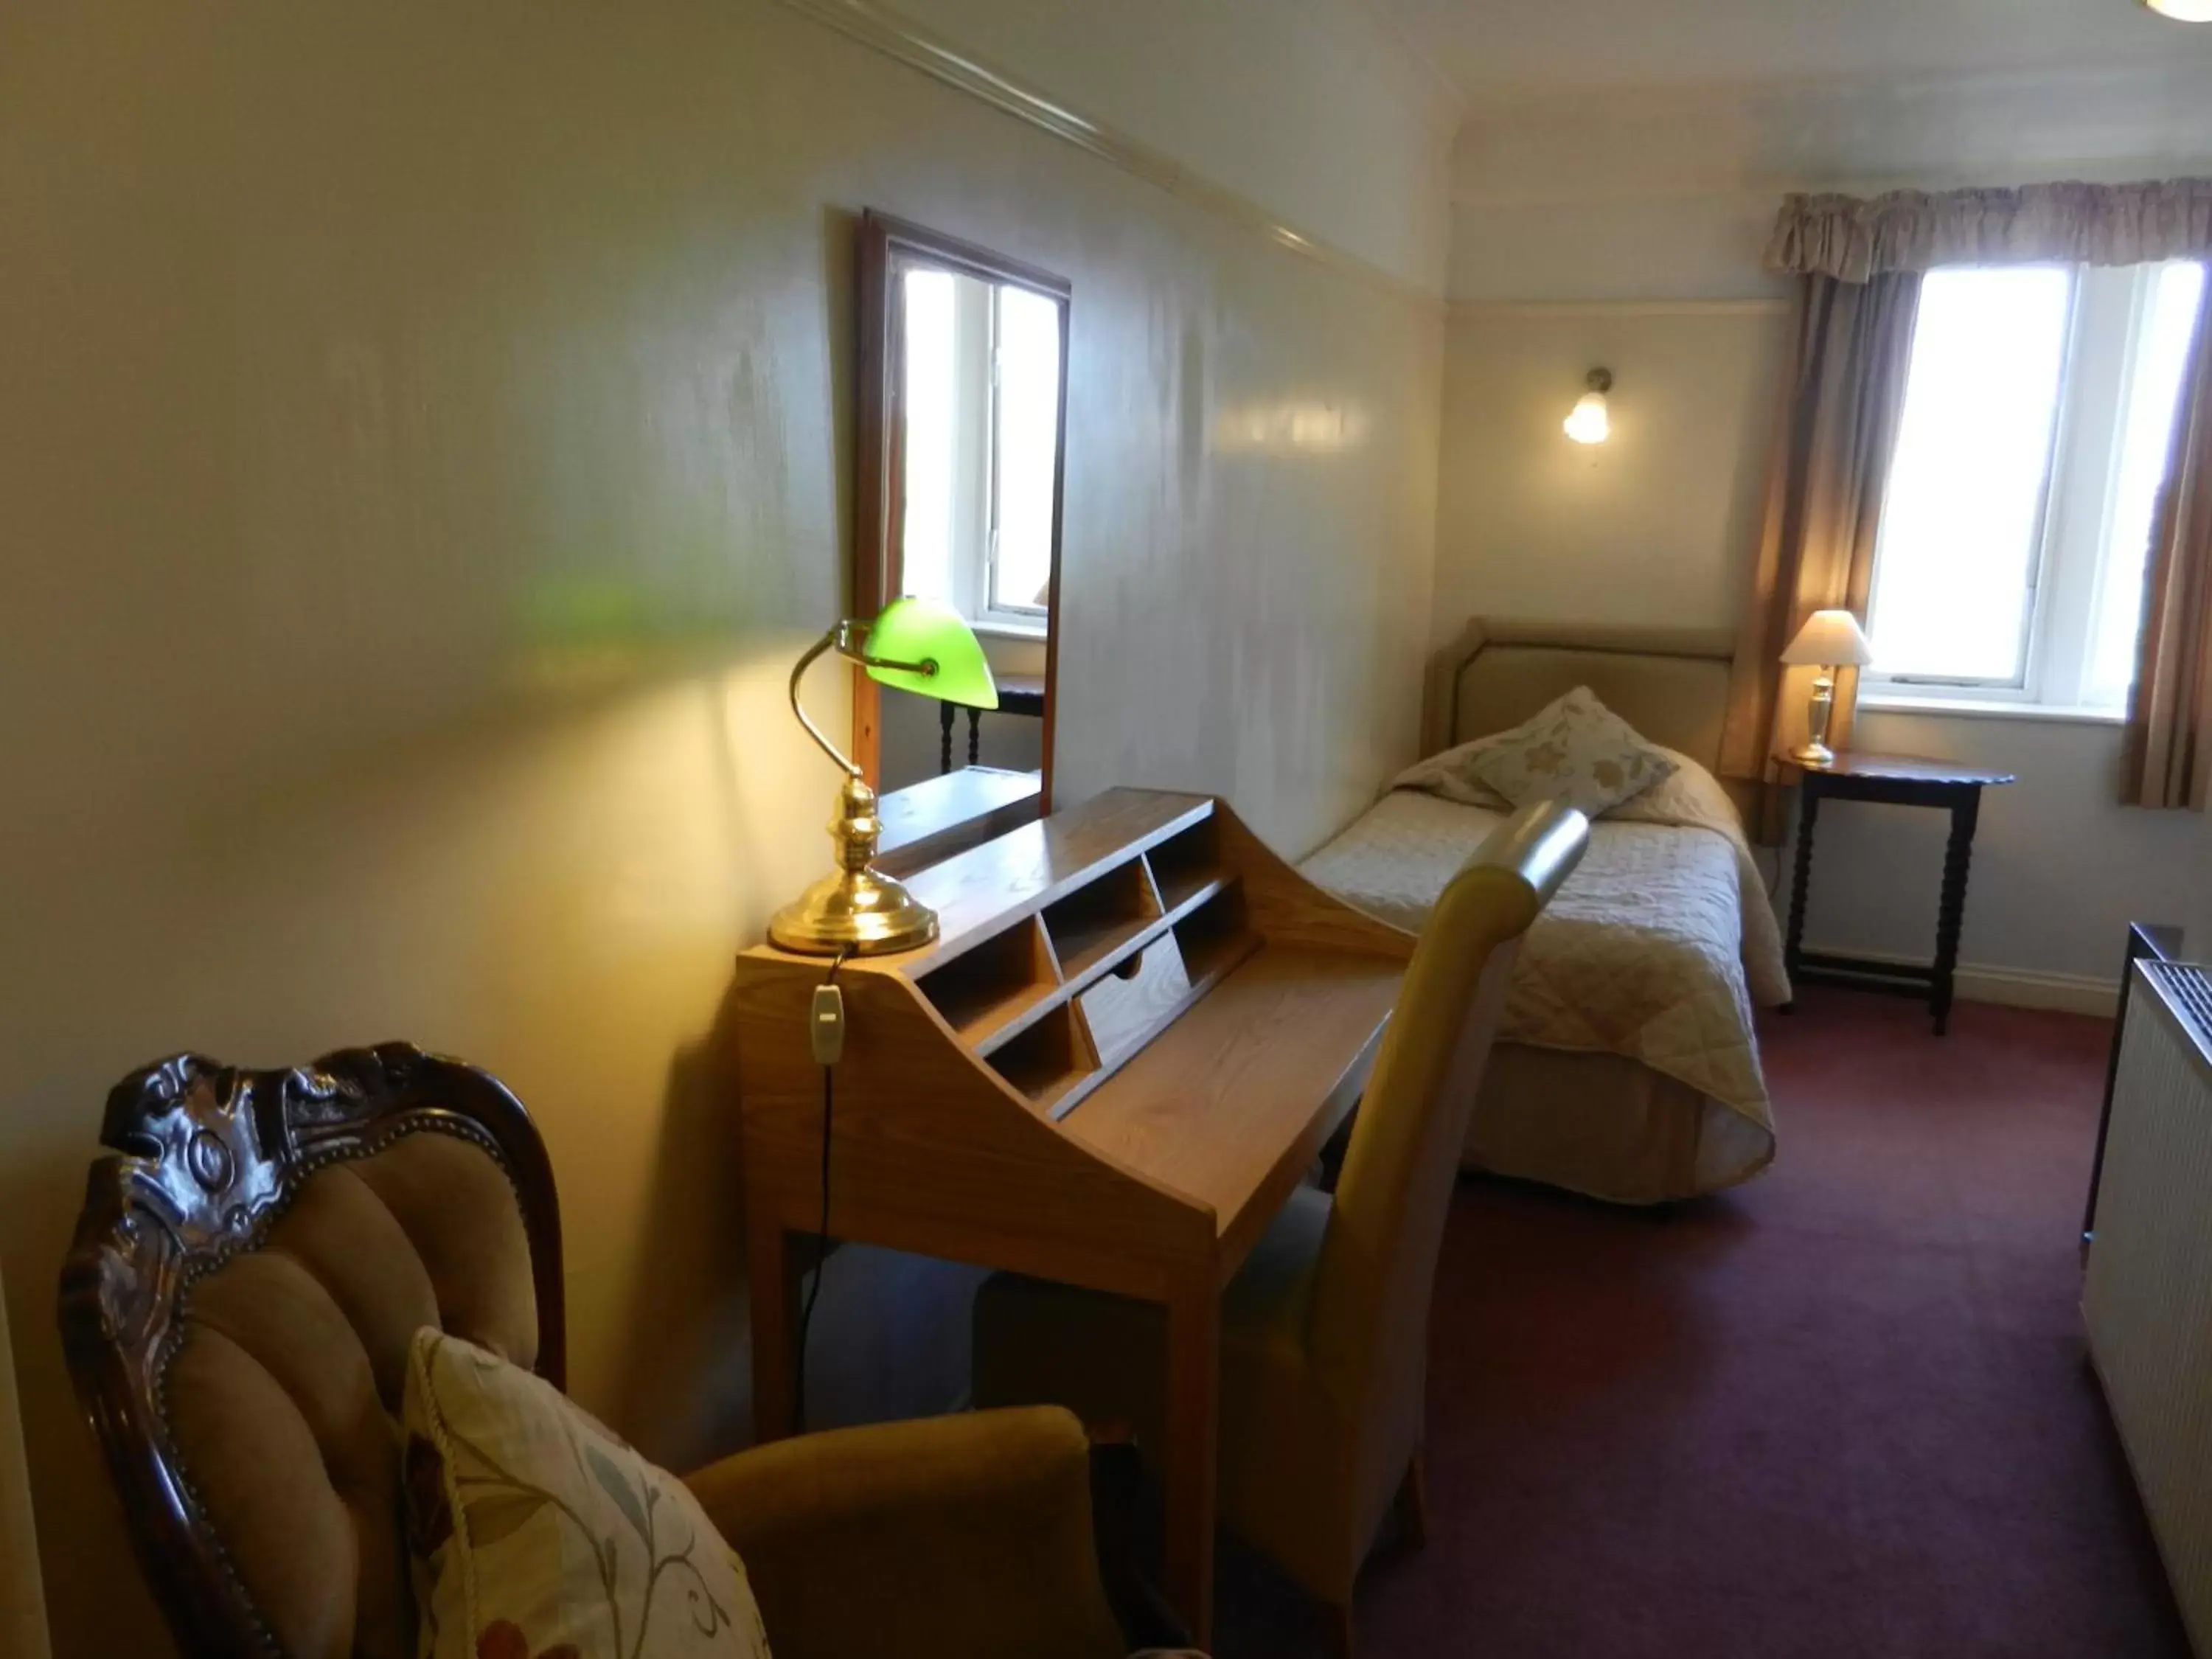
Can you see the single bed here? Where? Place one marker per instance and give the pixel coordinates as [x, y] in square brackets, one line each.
[1628, 1067]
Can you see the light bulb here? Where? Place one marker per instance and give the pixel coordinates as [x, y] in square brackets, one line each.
[1590, 423]
[2187, 11]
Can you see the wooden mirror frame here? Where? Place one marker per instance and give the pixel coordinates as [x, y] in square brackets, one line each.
[885, 246]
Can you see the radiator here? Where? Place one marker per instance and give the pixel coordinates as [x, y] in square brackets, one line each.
[2147, 1299]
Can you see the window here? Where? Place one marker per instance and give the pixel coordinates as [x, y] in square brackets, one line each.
[1026, 429]
[2039, 411]
[981, 444]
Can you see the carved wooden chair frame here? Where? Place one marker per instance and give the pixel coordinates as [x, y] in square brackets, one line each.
[203, 1159]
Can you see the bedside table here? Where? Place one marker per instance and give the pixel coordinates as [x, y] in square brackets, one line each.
[1893, 781]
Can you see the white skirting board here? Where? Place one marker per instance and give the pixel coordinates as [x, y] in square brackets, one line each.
[2021, 988]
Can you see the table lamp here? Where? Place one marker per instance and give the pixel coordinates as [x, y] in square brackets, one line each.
[1829, 640]
[916, 645]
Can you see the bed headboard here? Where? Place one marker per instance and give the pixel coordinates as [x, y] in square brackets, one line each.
[1670, 683]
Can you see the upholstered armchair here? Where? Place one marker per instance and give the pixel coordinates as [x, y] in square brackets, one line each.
[249, 1267]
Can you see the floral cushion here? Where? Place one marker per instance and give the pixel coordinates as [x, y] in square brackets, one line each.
[536, 1534]
[1575, 750]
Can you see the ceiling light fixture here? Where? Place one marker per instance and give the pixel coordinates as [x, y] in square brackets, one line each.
[2187, 11]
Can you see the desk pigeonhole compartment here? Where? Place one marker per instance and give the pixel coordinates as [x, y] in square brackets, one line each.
[1097, 919]
[993, 984]
[1049, 1059]
[1216, 936]
[1188, 862]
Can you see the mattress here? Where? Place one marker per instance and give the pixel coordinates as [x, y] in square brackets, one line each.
[1649, 959]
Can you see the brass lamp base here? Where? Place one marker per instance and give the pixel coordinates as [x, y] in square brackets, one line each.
[853, 907]
[1818, 756]
[859, 910]
[1814, 751]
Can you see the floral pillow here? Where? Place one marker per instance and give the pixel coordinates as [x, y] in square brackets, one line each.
[535, 1534]
[1577, 750]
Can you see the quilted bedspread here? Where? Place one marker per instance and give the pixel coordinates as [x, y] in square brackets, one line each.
[1655, 949]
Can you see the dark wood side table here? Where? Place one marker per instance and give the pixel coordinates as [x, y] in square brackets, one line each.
[1018, 694]
[1895, 781]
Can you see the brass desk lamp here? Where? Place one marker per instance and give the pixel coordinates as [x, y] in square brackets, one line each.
[916, 645]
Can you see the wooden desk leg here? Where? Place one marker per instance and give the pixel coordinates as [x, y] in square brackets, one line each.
[768, 1270]
[1194, 1391]
[974, 734]
[1965, 813]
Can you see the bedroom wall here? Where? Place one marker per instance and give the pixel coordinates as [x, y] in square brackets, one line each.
[1653, 526]
[1321, 110]
[427, 436]
[1628, 234]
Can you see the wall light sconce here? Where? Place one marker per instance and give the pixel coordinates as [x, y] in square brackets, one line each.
[2187, 11]
[1590, 423]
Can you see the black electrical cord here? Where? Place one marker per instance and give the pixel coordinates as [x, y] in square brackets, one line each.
[821, 1233]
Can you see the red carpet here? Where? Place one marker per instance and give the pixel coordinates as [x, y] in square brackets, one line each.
[1844, 1411]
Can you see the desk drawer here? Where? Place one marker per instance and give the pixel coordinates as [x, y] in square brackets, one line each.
[1139, 996]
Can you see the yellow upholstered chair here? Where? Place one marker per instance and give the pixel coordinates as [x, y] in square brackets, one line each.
[1325, 1328]
[251, 1266]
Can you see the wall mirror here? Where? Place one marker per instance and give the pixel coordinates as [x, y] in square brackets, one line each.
[962, 417]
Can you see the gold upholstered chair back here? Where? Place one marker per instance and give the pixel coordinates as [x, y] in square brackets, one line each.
[1367, 1331]
[253, 1259]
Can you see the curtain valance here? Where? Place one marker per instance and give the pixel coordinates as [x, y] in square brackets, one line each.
[1854, 238]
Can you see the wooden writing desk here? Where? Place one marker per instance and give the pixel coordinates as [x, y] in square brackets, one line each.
[1135, 1032]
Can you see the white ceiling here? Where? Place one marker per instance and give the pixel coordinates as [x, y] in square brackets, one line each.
[1505, 50]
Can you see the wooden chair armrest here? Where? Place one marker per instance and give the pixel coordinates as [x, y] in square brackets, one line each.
[965, 1537]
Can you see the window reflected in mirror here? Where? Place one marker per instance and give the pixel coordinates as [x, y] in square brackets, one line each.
[982, 403]
[962, 369]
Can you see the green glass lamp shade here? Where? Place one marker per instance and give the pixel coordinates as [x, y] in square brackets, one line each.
[925, 631]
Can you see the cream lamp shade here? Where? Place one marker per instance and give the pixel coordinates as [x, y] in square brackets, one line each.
[2188, 11]
[1830, 639]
